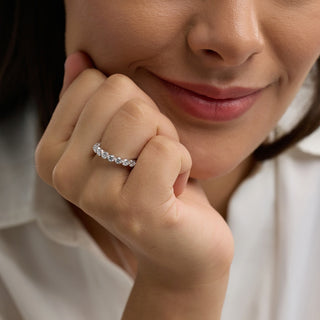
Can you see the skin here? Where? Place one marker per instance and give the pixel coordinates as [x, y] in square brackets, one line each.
[109, 93]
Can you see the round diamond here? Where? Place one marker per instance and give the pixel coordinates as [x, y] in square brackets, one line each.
[118, 160]
[99, 151]
[132, 163]
[111, 157]
[105, 154]
[125, 162]
[95, 147]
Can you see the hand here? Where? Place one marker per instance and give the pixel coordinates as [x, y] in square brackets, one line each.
[155, 209]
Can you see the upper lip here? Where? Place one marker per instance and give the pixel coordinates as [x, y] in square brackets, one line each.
[212, 91]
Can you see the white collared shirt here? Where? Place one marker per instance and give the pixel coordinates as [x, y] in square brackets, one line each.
[51, 268]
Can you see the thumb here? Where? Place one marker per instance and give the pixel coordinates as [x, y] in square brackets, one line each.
[73, 66]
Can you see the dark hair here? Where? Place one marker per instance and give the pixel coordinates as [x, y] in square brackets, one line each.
[33, 55]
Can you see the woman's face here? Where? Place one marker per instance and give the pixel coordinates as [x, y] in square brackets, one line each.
[206, 46]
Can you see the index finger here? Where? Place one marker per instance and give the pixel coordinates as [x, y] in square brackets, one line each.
[74, 65]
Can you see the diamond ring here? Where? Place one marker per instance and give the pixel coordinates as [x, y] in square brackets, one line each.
[112, 158]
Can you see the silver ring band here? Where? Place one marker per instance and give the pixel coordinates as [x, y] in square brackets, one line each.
[112, 158]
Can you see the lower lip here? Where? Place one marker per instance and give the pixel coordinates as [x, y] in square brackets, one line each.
[209, 109]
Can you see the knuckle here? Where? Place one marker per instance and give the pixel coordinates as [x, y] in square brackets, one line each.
[119, 81]
[62, 178]
[59, 176]
[162, 145]
[186, 155]
[39, 157]
[134, 110]
[168, 127]
[41, 163]
[87, 79]
[39, 152]
[91, 75]
[122, 82]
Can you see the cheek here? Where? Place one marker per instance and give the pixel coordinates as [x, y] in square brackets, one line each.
[218, 155]
[294, 38]
[120, 34]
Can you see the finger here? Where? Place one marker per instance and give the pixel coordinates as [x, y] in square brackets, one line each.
[74, 65]
[133, 125]
[72, 161]
[116, 91]
[63, 121]
[159, 165]
[146, 197]
[72, 103]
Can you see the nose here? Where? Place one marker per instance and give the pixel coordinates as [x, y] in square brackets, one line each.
[226, 33]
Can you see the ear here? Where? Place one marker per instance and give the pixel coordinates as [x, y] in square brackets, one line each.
[74, 65]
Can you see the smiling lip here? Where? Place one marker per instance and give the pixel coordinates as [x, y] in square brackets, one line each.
[211, 103]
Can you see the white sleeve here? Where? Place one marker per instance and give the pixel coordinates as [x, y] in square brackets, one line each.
[8, 308]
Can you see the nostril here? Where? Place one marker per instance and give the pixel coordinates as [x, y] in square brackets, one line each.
[209, 52]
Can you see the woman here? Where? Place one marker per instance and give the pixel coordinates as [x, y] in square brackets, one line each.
[166, 112]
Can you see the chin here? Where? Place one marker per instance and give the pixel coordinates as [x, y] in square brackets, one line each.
[203, 172]
[205, 169]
